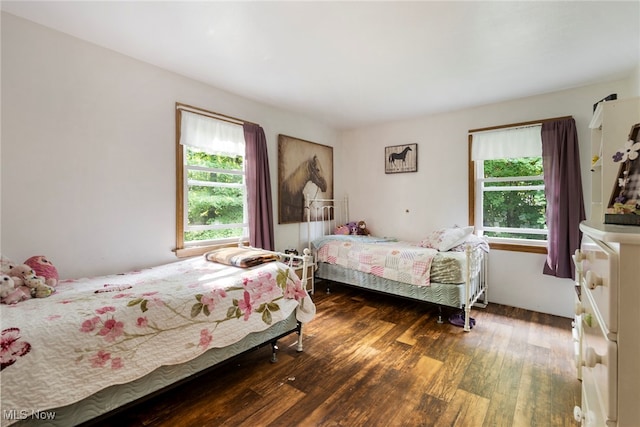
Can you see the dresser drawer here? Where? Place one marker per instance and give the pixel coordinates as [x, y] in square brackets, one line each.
[600, 280]
[600, 364]
[587, 415]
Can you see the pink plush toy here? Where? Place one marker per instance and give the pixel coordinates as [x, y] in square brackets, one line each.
[342, 230]
[44, 268]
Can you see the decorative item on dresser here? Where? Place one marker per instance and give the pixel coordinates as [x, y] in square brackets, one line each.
[609, 262]
[624, 203]
[609, 132]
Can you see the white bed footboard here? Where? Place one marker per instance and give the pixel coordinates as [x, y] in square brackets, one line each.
[477, 269]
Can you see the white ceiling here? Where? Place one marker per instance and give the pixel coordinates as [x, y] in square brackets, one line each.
[353, 63]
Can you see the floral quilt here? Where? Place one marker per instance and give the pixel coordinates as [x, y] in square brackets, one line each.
[96, 332]
[400, 261]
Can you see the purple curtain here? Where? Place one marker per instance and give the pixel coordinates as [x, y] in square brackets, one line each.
[258, 188]
[563, 190]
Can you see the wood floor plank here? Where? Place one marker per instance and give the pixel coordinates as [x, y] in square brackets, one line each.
[273, 405]
[445, 383]
[481, 378]
[465, 410]
[533, 406]
[502, 406]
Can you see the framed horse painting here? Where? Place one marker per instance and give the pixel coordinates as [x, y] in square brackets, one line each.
[401, 158]
[304, 168]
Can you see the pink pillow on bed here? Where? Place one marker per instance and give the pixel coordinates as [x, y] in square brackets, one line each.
[446, 238]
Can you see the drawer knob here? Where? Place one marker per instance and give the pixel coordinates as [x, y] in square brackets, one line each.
[579, 256]
[591, 358]
[578, 309]
[593, 280]
[577, 414]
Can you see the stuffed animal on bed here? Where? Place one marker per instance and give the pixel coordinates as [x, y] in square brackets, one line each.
[9, 294]
[44, 268]
[26, 279]
[342, 230]
[362, 229]
[353, 227]
[7, 286]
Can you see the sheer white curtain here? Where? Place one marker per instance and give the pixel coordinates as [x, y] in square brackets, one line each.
[507, 143]
[212, 135]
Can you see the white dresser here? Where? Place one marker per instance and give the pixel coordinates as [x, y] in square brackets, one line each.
[607, 327]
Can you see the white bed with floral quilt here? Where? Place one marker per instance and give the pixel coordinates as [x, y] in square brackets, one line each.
[98, 343]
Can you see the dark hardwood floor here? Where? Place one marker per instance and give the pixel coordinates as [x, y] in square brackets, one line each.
[373, 360]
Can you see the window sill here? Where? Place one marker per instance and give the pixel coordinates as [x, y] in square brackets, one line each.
[536, 249]
[201, 250]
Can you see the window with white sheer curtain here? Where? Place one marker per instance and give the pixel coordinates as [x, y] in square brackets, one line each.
[211, 185]
[507, 190]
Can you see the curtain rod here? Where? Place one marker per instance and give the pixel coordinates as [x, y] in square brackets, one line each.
[520, 125]
[212, 114]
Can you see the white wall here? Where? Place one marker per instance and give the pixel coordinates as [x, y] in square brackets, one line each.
[410, 205]
[635, 81]
[88, 151]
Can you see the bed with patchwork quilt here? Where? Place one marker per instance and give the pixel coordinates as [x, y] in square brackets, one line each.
[447, 268]
[99, 343]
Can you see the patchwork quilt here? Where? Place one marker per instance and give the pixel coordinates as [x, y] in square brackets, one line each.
[96, 332]
[400, 261]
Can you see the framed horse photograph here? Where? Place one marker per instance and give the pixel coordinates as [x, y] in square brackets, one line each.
[304, 168]
[401, 158]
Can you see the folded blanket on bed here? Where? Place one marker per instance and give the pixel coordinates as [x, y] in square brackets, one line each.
[240, 257]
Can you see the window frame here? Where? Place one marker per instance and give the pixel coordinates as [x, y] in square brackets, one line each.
[516, 245]
[183, 250]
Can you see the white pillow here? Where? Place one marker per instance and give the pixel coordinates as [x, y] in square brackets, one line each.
[473, 240]
[446, 238]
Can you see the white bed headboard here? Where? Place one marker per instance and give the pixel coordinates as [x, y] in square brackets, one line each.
[324, 215]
